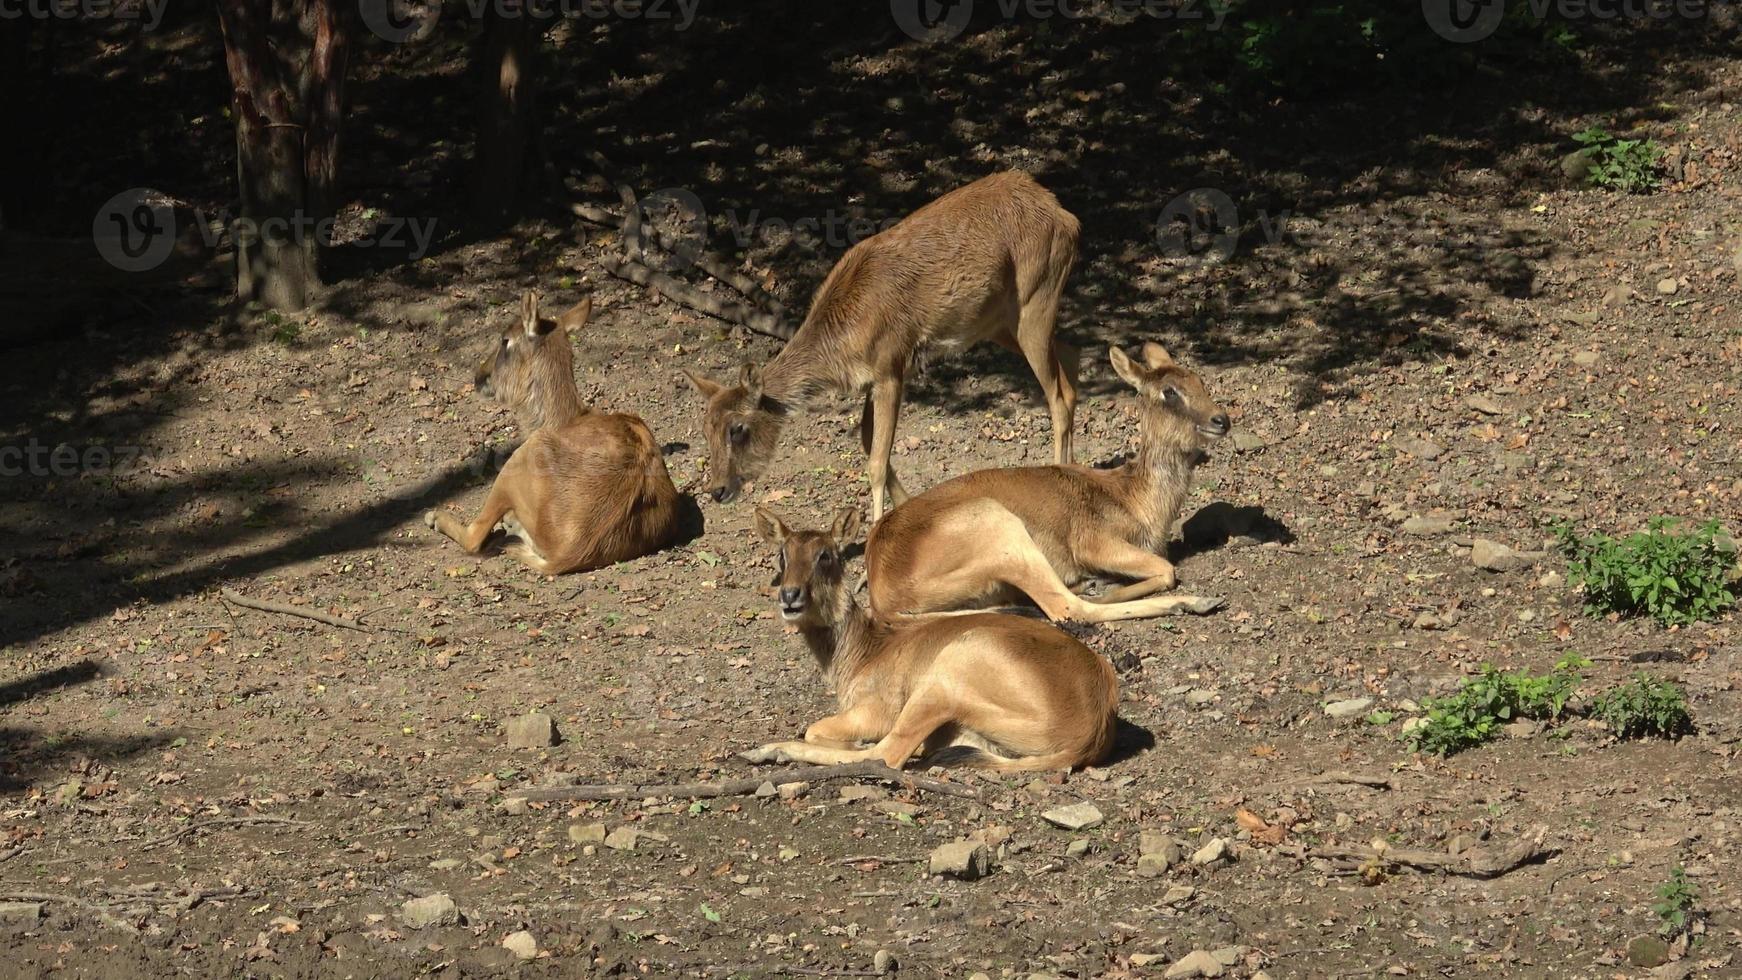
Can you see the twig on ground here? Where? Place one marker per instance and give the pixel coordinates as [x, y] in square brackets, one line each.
[230, 595]
[1477, 862]
[880, 858]
[731, 311]
[220, 822]
[872, 769]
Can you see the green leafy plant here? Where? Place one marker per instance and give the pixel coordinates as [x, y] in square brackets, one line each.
[1618, 164]
[1673, 577]
[1644, 707]
[1676, 904]
[1493, 698]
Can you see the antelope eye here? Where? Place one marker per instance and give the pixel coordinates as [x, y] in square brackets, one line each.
[826, 559]
[1171, 395]
[739, 433]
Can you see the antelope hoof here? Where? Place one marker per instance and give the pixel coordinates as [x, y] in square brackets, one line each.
[765, 754]
[429, 519]
[1203, 605]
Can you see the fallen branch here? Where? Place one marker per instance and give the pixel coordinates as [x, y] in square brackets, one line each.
[108, 917]
[683, 293]
[879, 858]
[1343, 778]
[1477, 862]
[220, 822]
[239, 599]
[872, 769]
[714, 264]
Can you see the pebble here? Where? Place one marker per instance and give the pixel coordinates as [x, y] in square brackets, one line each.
[1485, 405]
[1647, 951]
[515, 806]
[445, 864]
[896, 808]
[1587, 359]
[1493, 556]
[766, 790]
[431, 910]
[1077, 816]
[792, 791]
[860, 794]
[963, 859]
[1199, 697]
[1157, 853]
[1147, 959]
[1667, 286]
[1348, 708]
[1428, 525]
[1178, 894]
[521, 944]
[534, 730]
[1247, 442]
[20, 913]
[884, 962]
[1427, 621]
[1419, 448]
[1552, 580]
[587, 833]
[1197, 963]
[1213, 852]
[622, 839]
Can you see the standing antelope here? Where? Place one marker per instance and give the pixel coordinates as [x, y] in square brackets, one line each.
[984, 262]
[586, 489]
[992, 536]
[1012, 692]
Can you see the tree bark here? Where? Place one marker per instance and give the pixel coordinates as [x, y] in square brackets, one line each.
[509, 155]
[287, 61]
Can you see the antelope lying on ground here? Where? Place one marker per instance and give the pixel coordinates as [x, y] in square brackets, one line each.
[991, 537]
[984, 262]
[1012, 692]
[586, 489]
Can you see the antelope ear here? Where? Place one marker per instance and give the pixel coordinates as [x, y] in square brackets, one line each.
[1123, 367]
[846, 529]
[771, 527]
[750, 379]
[529, 313]
[1156, 356]
[577, 317]
[708, 388]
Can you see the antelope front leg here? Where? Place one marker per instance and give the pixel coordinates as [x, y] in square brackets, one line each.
[472, 536]
[885, 404]
[1154, 573]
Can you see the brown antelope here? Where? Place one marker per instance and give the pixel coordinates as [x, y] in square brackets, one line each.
[1009, 692]
[993, 536]
[984, 262]
[585, 489]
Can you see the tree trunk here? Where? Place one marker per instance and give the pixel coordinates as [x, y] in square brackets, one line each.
[20, 174]
[509, 157]
[287, 62]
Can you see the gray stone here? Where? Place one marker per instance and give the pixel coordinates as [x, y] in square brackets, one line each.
[1077, 816]
[535, 730]
[521, 944]
[1348, 708]
[1246, 441]
[445, 864]
[1647, 951]
[884, 962]
[1485, 405]
[792, 791]
[1178, 894]
[1199, 697]
[1077, 848]
[855, 793]
[431, 910]
[1667, 286]
[766, 790]
[622, 839]
[20, 913]
[515, 806]
[1215, 852]
[1587, 359]
[1427, 621]
[963, 859]
[1493, 556]
[1419, 448]
[1428, 525]
[896, 808]
[587, 833]
[1228, 955]
[1197, 963]
[1576, 166]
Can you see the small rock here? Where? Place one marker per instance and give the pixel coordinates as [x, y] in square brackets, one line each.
[561, 778]
[1667, 286]
[1228, 955]
[1147, 959]
[1493, 556]
[20, 913]
[1552, 580]
[1213, 852]
[1348, 708]
[521, 944]
[1411, 724]
[1460, 844]
[766, 790]
[1647, 951]
[1428, 525]
[1587, 359]
[1419, 448]
[1157, 854]
[1197, 963]
[896, 808]
[587, 833]
[431, 910]
[1618, 294]
[1247, 442]
[1155, 865]
[534, 730]
[884, 962]
[1485, 405]
[1077, 848]
[445, 864]
[622, 839]
[1178, 894]
[792, 791]
[515, 806]
[1427, 621]
[963, 859]
[1077, 816]
[1576, 166]
[1199, 697]
[855, 793]
[1343, 821]
[1522, 728]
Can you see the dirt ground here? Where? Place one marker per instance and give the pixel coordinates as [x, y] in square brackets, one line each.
[1441, 326]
